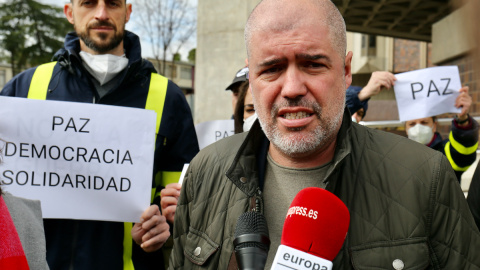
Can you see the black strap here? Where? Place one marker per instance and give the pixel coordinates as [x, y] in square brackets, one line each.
[262, 161]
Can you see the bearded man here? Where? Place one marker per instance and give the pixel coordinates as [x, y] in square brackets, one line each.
[101, 63]
[406, 207]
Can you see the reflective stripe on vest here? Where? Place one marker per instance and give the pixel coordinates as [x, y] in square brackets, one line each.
[155, 101]
[448, 154]
[40, 81]
[460, 149]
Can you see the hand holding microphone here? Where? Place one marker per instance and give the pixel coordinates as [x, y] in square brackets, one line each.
[314, 231]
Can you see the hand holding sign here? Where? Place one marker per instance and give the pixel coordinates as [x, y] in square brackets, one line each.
[152, 231]
[378, 81]
[463, 101]
[427, 92]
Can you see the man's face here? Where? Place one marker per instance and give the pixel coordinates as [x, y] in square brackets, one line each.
[100, 24]
[298, 83]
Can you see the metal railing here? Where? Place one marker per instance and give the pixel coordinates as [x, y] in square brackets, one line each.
[397, 123]
[466, 177]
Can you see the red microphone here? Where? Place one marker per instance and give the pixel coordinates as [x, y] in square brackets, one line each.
[314, 231]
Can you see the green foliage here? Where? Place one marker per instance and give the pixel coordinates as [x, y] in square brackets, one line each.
[191, 55]
[177, 57]
[31, 32]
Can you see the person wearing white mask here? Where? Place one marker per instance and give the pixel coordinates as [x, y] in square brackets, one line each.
[462, 143]
[244, 114]
[101, 63]
[249, 115]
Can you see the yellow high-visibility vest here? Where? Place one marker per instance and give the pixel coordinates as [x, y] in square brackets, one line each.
[155, 102]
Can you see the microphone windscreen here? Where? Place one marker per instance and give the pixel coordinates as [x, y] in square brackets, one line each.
[316, 223]
[251, 223]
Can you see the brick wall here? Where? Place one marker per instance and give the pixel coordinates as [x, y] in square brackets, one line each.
[407, 58]
[467, 76]
[406, 55]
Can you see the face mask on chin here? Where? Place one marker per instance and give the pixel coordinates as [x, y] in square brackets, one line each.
[420, 133]
[354, 120]
[103, 67]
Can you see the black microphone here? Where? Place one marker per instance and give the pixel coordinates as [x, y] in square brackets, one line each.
[251, 241]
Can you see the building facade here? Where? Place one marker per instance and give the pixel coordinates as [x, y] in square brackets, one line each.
[5, 74]
[221, 52]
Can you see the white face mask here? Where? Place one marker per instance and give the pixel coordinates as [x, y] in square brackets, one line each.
[420, 133]
[354, 120]
[103, 67]
[247, 123]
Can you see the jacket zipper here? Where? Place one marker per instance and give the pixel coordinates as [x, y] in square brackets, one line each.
[258, 201]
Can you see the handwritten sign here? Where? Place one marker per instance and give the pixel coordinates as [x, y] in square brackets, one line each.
[212, 131]
[427, 92]
[82, 161]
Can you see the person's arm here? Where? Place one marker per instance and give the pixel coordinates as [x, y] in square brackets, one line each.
[463, 138]
[176, 142]
[463, 101]
[19, 85]
[378, 81]
[453, 236]
[358, 98]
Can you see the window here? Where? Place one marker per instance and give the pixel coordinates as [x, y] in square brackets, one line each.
[3, 79]
[185, 73]
[168, 71]
[369, 45]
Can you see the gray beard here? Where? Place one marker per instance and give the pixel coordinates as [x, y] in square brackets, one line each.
[292, 145]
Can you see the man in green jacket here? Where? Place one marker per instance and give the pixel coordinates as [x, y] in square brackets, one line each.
[407, 210]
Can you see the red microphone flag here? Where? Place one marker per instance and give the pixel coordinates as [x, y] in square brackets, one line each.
[316, 223]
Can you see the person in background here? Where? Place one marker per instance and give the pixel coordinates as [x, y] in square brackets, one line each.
[358, 97]
[461, 145]
[101, 63]
[244, 115]
[406, 207]
[237, 82]
[22, 238]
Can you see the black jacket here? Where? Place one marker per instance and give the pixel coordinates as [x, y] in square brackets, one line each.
[96, 244]
[460, 147]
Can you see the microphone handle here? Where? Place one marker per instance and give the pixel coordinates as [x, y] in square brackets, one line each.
[251, 258]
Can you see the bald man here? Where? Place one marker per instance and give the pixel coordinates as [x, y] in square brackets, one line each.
[406, 207]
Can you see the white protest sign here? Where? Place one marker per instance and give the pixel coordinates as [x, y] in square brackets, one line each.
[427, 92]
[212, 131]
[82, 161]
[184, 171]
